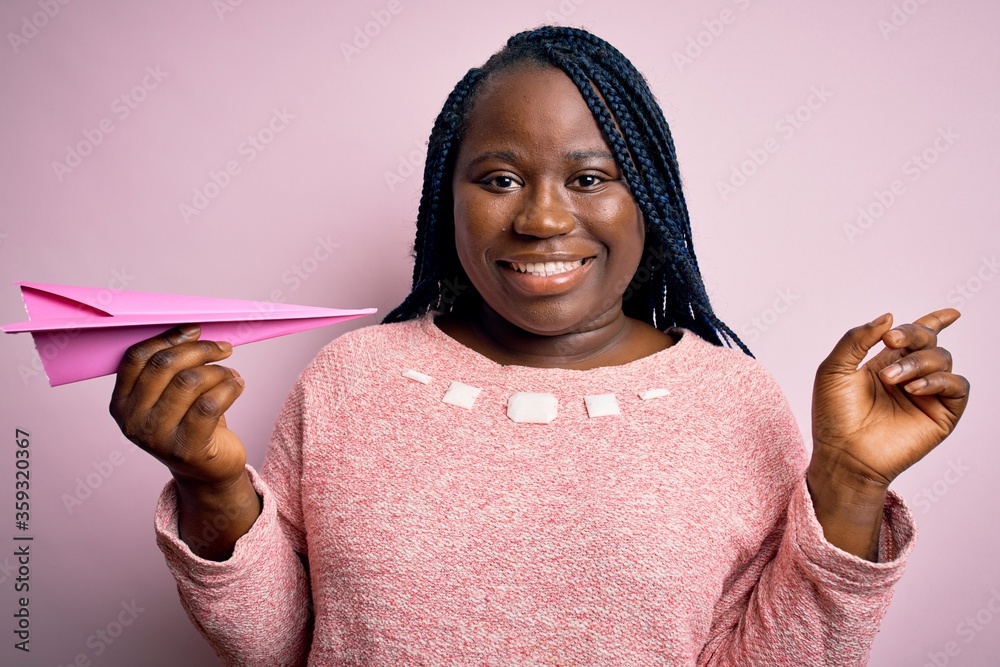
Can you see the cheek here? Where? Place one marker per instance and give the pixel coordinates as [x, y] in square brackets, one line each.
[479, 220]
[627, 229]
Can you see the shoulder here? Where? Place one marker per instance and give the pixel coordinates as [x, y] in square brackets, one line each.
[366, 351]
[720, 361]
[728, 376]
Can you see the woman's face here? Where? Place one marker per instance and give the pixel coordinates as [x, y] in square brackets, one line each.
[535, 184]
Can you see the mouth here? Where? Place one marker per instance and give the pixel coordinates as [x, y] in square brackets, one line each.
[546, 278]
[544, 269]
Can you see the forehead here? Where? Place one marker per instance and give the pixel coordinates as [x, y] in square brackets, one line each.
[531, 103]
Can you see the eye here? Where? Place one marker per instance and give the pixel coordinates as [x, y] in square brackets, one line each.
[589, 181]
[500, 182]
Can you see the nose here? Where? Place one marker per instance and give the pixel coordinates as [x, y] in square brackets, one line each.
[545, 213]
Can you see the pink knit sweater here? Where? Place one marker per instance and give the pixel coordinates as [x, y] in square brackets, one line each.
[678, 532]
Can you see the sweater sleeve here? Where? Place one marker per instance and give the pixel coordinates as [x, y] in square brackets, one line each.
[254, 608]
[799, 600]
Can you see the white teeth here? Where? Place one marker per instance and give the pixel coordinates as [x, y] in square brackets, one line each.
[546, 268]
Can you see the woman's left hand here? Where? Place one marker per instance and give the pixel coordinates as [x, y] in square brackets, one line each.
[872, 423]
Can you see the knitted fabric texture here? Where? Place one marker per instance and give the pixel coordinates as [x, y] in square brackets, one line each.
[401, 530]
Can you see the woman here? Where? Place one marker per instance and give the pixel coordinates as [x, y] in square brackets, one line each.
[544, 455]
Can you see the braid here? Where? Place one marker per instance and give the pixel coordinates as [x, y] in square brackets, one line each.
[435, 258]
[667, 289]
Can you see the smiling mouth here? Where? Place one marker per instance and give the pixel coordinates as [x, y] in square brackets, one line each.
[545, 268]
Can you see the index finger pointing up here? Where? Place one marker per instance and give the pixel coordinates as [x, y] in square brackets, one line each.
[922, 332]
[939, 319]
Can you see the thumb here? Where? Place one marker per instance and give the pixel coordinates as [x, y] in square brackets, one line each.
[854, 346]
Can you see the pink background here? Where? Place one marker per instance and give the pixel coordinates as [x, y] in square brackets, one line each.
[344, 171]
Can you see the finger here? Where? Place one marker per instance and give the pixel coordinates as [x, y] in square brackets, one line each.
[944, 384]
[951, 389]
[196, 429]
[854, 346]
[165, 364]
[939, 319]
[917, 364]
[183, 390]
[910, 336]
[922, 332]
[135, 358]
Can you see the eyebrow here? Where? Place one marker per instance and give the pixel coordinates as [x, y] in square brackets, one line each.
[511, 156]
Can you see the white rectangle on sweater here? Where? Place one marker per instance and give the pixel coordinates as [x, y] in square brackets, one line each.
[602, 405]
[525, 407]
[461, 394]
[414, 375]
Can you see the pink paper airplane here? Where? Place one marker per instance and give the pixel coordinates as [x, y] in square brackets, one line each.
[83, 332]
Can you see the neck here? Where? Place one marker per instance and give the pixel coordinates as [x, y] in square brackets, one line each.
[597, 343]
[611, 339]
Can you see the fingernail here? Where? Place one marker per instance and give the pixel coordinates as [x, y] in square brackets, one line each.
[878, 320]
[916, 385]
[188, 330]
[894, 337]
[224, 346]
[238, 380]
[891, 372]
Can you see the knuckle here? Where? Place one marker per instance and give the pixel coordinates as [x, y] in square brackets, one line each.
[206, 407]
[134, 431]
[137, 355]
[187, 380]
[208, 347]
[161, 361]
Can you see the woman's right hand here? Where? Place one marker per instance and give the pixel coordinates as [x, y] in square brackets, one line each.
[170, 400]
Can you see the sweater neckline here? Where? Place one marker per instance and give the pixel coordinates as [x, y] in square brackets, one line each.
[686, 341]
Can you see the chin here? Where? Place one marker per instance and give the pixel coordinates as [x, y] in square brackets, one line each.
[545, 323]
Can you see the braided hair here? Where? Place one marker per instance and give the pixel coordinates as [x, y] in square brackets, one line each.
[667, 288]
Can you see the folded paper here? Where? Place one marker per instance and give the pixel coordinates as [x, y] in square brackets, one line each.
[461, 394]
[83, 332]
[418, 376]
[601, 405]
[653, 393]
[525, 407]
